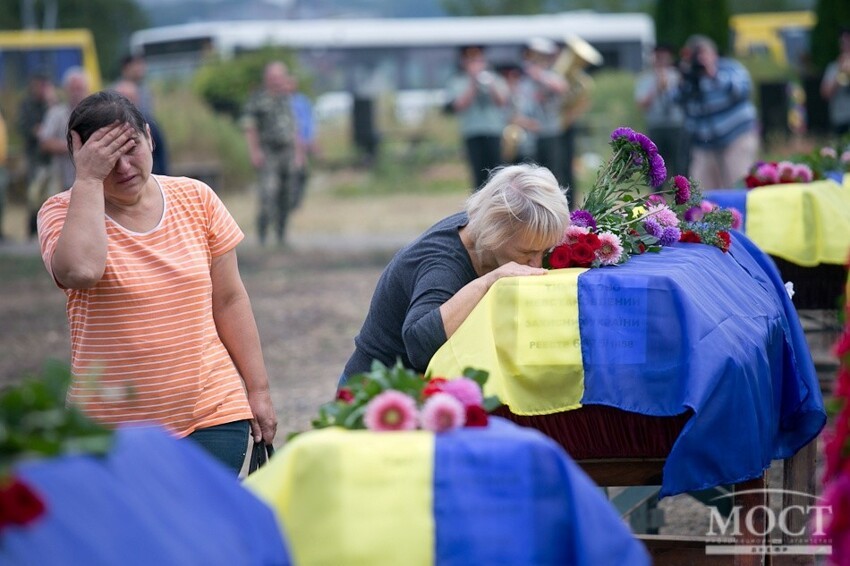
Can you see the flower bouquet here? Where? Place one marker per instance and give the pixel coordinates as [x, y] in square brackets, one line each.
[397, 398]
[35, 422]
[622, 216]
[778, 172]
[828, 160]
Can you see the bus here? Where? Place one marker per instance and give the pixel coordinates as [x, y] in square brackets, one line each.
[24, 52]
[390, 53]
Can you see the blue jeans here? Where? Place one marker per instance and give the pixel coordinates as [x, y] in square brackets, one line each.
[227, 442]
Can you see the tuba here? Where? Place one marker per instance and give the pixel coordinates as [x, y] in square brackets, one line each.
[576, 56]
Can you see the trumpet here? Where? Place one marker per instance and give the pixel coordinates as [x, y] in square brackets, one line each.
[513, 135]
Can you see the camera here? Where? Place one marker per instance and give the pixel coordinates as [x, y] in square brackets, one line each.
[693, 69]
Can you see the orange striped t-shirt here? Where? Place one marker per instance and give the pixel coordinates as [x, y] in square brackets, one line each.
[144, 345]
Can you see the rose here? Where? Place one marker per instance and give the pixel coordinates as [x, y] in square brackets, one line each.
[561, 257]
[345, 395]
[583, 254]
[476, 416]
[19, 504]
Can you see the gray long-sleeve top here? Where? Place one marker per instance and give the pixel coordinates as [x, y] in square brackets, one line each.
[404, 320]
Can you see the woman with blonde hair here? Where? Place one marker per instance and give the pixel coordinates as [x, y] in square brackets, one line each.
[431, 285]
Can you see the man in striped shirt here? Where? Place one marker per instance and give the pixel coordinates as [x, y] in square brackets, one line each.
[719, 116]
[161, 326]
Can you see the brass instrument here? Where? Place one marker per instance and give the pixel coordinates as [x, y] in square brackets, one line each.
[512, 137]
[576, 56]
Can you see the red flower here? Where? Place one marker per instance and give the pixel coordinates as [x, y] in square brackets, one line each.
[345, 395]
[591, 240]
[561, 257]
[434, 385]
[726, 240]
[583, 254]
[19, 504]
[752, 181]
[690, 236]
[476, 416]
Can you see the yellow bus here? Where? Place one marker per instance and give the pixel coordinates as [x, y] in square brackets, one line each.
[782, 36]
[23, 52]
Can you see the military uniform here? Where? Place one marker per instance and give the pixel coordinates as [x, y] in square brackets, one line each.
[272, 117]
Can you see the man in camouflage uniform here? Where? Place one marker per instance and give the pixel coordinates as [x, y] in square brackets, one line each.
[272, 142]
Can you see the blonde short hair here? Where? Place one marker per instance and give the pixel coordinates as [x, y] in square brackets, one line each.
[515, 200]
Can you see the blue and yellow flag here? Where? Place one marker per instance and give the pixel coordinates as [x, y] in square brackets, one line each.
[495, 495]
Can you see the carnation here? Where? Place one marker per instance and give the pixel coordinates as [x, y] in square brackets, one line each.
[390, 410]
[442, 412]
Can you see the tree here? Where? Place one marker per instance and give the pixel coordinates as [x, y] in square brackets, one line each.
[832, 15]
[676, 20]
[110, 21]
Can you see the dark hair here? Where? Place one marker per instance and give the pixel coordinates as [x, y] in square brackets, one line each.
[102, 109]
[130, 58]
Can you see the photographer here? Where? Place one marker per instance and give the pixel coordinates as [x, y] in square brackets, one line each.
[719, 116]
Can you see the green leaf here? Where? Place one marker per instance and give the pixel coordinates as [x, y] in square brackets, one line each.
[479, 376]
[491, 403]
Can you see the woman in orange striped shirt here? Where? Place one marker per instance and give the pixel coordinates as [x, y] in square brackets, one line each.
[161, 325]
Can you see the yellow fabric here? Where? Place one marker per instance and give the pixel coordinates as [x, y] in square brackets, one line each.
[536, 366]
[353, 497]
[4, 141]
[805, 224]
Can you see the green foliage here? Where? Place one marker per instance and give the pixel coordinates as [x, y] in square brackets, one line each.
[35, 421]
[348, 412]
[676, 20]
[226, 84]
[110, 21]
[831, 15]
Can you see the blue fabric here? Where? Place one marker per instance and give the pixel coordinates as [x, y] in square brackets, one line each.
[837, 176]
[712, 332]
[510, 495]
[153, 500]
[730, 198]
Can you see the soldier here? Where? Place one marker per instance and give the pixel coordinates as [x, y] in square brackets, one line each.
[270, 132]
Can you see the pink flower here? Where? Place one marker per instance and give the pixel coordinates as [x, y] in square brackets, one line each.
[683, 189]
[465, 390]
[737, 218]
[655, 199]
[611, 250]
[707, 206]
[442, 412]
[803, 172]
[845, 157]
[574, 233]
[663, 215]
[787, 172]
[390, 410]
[828, 152]
[768, 173]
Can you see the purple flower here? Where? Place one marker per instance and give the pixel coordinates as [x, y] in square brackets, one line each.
[657, 170]
[623, 132]
[653, 228]
[654, 199]
[683, 189]
[583, 218]
[694, 214]
[646, 144]
[669, 236]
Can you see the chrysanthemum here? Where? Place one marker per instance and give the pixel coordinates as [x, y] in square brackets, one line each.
[465, 390]
[573, 233]
[611, 250]
[390, 410]
[768, 172]
[828, 152]
[653, 228]
[655, 198]
[683, 189]
[583, 218]
[657, 170]
[669, 236]
[663, 215]
[646, 144]
[623, 132]
[803, 172]
[845, 157]
[707, 206]
[694, 214]
[442, 412]
[786, 171]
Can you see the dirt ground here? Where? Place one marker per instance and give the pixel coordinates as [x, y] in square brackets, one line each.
[309, 300]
